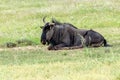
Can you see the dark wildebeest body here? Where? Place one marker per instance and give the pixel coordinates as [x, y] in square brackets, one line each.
[61, 35]
[91, 37]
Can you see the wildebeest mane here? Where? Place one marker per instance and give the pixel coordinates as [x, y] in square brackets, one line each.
[59, 23]
[70, 25]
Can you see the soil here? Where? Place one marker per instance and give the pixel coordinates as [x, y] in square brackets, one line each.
[22, 48]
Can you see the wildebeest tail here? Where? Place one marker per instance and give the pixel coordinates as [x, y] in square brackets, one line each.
[106, 44]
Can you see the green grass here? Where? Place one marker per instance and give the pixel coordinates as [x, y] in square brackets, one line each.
[20, 19]
[23, 18]
[88, 63]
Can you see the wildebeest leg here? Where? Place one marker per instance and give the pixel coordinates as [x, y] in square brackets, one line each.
[64, 42]
[92, 43]
[97, 44]
[87, 40]
[69, 48]
[51, 47]
[63, 47]
[56, 47]
[79, 41]
[59, 46]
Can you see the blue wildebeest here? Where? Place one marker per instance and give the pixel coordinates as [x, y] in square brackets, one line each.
[62, 35]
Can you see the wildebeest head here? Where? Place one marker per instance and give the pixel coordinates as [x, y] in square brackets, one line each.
[47, 32]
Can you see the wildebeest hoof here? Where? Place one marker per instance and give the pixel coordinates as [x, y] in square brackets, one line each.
[55, 48]
[50, 48]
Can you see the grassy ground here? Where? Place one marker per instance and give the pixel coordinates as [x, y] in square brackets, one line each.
[20, 19]
[41, 64]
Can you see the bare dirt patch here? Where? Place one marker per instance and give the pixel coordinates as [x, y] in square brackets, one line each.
[23, 48]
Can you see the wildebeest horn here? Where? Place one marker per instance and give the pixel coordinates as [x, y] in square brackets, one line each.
[44, 19]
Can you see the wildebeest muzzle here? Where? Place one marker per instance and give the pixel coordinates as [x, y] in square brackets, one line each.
[43, 38]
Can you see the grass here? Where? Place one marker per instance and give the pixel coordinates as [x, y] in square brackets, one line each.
[21, 20]
[92, 64]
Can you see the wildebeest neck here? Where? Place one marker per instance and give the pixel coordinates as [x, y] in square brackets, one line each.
[58, 32]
